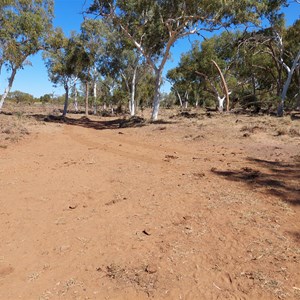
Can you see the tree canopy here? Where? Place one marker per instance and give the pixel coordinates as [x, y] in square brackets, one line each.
[255, 65]
[24, 28]
[154, 26]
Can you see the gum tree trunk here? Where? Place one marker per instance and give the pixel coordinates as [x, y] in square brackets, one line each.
[224, 85]
[179, 97]
[7, 90]
[75, 98]
[66, 100]
[287, 84]
[86, 98]
[186, 100]
[221, 103]
[132, 98]
[156, 101]
[95, 96]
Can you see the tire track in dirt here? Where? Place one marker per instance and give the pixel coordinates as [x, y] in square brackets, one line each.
[110, 145]
[165, 158]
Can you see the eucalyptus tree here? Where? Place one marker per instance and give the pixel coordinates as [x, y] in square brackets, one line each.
[291, 49]
[95, 35]
[66, 62]
[145, 91]
[109, 90]
[74, 95]
[200, 69]
[273, 55]
[292, 45]
[154, 26]
[182, 82]
[24, 27]
[123, 62]
[129, 66]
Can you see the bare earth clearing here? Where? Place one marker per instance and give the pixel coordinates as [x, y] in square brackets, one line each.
[195, 207]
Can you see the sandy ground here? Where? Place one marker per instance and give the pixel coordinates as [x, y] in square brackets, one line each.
[197, 206]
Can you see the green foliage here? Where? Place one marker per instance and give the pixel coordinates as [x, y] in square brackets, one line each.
[292, 40]
[69, 61]
[24, 27]
[152, 21]
[253, 65]
[94, 37]
[186, 78]
[145, 91]
[292, 46]
[46, 98]
[21, 97]
[265, 55]
[168, 100]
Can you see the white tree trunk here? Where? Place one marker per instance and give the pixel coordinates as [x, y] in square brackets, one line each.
[128, 89]
[186, 100]
[197, 99]
[86, 98]
[132, 98]
[225, 87]
[95, 96]
[221, 103]
[75, 98]
[156, 101]
[179, 97]
[66, 100]
[7, 90]
[287, 84]
[298, 95]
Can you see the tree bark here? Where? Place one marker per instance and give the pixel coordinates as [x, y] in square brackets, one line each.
[7, 90]
[179, 97]
[221, 103]
[298, 95]
[196, 98]
[95, 96]
[156, 101]
[186, 100]
[66, 100]
[132, 98]
[86, 98]
[225, 88]
[75, 98]
[287, 84]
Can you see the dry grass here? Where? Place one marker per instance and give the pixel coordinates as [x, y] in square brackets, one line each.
[12, 129]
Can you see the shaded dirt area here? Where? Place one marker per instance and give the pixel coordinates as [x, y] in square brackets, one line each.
[196, 206]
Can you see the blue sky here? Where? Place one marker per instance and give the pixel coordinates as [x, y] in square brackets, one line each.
[34, 79]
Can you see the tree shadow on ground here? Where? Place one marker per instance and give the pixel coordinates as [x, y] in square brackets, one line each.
[115, 123]
[295, 116]
[6, 113]
[275, 178]
[295, 235]
[88, 123]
